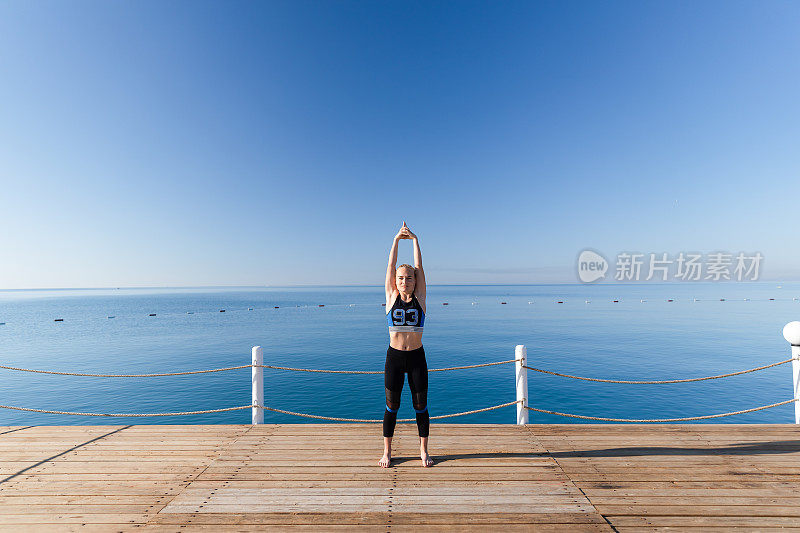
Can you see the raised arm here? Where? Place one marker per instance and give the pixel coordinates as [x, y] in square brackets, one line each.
[420, 288]
[390, 269]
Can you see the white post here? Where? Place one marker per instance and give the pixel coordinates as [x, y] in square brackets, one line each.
[258, 385]
[521, 354]
[791, 332]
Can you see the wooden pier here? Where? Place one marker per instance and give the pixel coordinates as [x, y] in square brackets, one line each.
[325, 477]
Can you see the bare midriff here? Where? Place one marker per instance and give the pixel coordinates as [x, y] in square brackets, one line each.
[405, 340]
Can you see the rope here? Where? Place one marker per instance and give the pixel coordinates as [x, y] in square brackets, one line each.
[306, 415]
[381, 371]
[247, 407]
[124, 375]
[238, 367]
[661, 419]
[381, 420]
[661, 381]
[125, 414]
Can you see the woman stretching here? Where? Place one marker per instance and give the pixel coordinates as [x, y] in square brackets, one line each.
[405, 314]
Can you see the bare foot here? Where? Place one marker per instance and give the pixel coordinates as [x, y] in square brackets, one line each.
[386, 460]
[427, 460]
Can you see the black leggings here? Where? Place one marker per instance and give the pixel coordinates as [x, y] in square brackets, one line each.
[398, 363]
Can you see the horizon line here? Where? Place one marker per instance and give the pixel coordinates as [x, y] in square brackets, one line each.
[674, 282]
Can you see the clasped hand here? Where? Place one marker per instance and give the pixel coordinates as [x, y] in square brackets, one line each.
[405, 233]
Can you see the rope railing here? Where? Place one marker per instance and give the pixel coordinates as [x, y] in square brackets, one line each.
[244, 366]
[661, 381]
[125, 414]
[381, 371]
[791, 333]
[274, 367]
[369, 420]
[399, 420]
[248, 407]
[125, 375]
[661, 419]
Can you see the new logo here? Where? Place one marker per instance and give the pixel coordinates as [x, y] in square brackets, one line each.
[591, 266]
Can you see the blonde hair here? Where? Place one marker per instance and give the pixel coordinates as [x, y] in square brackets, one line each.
[414, 270]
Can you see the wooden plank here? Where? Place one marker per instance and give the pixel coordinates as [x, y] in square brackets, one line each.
[388, 496]
[73, 518]
[350, 490]
[83, 498]
[700, 529]
[675, 492]
[539, 487]
[699, 510]
[69, 528]
[723, 522]
[374, 508]
[481, 528]
[344, 475]
[379, 518]
[88, 509]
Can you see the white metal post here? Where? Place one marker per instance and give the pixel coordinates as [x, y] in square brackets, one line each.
[258, 385]
[791, 332]
[521, 355]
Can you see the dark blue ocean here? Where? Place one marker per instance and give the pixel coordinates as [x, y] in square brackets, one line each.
[694, 335]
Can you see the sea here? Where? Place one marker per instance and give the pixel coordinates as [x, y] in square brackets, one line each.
[644, 331]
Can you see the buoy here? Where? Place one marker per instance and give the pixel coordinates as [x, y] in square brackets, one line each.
[152, 314]
[58, 320]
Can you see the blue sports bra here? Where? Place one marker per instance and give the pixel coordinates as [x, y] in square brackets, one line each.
[406, 316]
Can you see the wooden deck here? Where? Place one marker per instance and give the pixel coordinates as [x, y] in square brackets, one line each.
[321, 477]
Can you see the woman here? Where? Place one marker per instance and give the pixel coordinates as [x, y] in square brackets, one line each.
[405, 315]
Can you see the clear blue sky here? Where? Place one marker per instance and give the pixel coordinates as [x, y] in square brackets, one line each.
[148, 143]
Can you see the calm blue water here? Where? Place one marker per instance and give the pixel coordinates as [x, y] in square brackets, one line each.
[631, 339]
